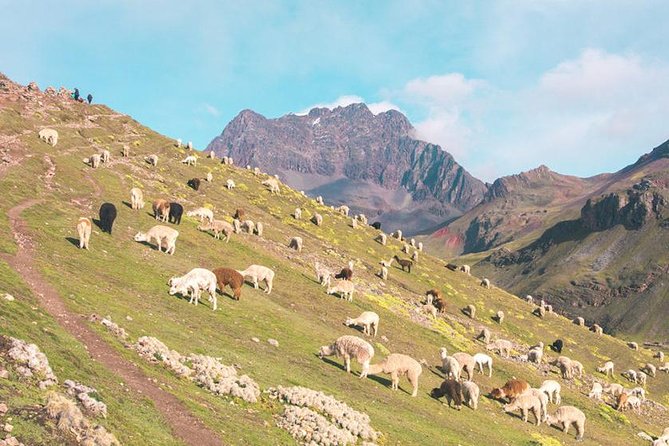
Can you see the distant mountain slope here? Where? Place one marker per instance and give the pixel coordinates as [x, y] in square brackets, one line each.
[609, 259]
[512, 208]
[349, 155]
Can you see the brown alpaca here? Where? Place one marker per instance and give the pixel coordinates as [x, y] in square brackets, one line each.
[161, 209]
[239, 214]
[227, 276]
[511, 390]
[404, 263]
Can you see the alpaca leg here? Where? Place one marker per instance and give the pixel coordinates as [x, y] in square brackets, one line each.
[348, 364]
[365, 369]
[395, 380]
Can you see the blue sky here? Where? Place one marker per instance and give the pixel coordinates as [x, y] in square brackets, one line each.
[505, 86]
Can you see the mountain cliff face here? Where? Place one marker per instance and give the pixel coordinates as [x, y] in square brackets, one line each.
[349, 155]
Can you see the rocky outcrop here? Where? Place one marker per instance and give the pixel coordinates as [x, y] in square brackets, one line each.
[348, 154]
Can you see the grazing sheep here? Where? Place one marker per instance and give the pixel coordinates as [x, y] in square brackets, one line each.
[529, 299]
[382, 238]
[178, 143]
[136, 198]
[84, 227]
[485, 283]
[354, 223]
[451, 389]
[449, 365]
[552, 389]
[633, 402]
[549, 308]
[153, 160]
[650, 369]
[659, 355]
[470, 394]
[345, 274]
[297, 214]
[540, 311]
[470, 310]
[466, 269]
[163, 235]
[248, 226]
[432, 294]
[361, 218]
[557, 345]
[664, 367]
[230, 184]
[259, 273]
[404, 263]
[319, 200]
[237, 225]
[343, 210]
[368, 320]
[484, 336]
[543, 399]
[633, 345]
[193, 283]
[161, 209]
[125, 152]
[396, 365]
[323, 274]
[49, 136]
[212, 155]
[420, 246]
[639, 392]
[105, 156]
[597, 329]
[194, 183]
[376, 225]
[614, 389]
[384, 273]
[259, 229]
[579, 321]
[565, 366]
[499, 317]
[189, 146]
[229, 277]
[296, 244]
[536, 353]
[630, 374]
[641, 378]
[405, 249]
[502, 346]
[606, 368]
[93, 160]
[202, 214]
[481, 360]
[398, 234]
[565, 416]
[272, 185]
[107, 215]
[317, 219]
[511, 390]
[526, 403]
[596, 391]
[350, 347]
[176, 211]
[577, 367]
[239, 214]
[414, 256]
[466, 361]
[218, 226]
[344, 288]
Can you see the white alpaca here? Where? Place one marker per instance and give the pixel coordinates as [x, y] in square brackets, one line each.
[163, 236]
[259, 273]
[193, 283]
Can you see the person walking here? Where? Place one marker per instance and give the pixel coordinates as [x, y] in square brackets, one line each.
[90, 98]
[76, 94]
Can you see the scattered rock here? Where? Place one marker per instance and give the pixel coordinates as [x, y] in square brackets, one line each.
[273, 342]
[8, 297]
[254, 339]
[3, 409]
[8, 427]
[4, 374]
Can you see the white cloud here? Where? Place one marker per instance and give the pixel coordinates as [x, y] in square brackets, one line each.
[343, 101]
[213, 111]
[585, 115]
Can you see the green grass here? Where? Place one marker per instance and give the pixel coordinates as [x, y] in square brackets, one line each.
[121, 279]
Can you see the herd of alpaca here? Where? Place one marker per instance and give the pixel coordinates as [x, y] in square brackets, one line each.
[458, 369]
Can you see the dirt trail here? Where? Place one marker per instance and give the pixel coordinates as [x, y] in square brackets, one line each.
[183, 425]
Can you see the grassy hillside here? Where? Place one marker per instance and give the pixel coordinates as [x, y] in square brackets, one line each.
[127, 281]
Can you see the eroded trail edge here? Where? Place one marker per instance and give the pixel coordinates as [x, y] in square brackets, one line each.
[183, 424]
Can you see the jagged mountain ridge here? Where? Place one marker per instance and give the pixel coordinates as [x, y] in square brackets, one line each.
[349, 155]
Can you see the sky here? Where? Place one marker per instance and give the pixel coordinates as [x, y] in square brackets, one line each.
[505, 86]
